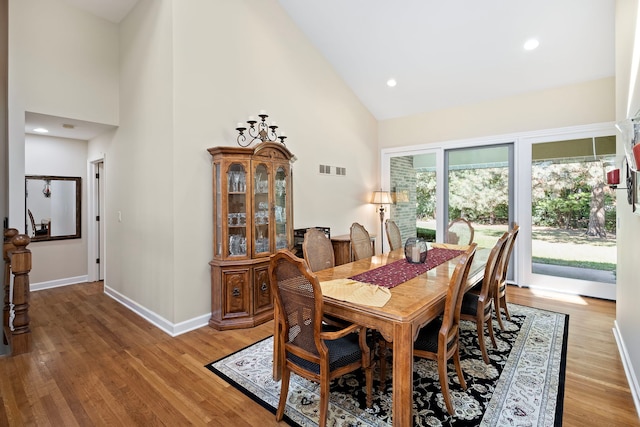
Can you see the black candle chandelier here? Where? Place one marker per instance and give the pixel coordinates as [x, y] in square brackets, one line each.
[258, 130]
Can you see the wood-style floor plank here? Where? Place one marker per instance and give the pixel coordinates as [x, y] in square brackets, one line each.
[94, 362]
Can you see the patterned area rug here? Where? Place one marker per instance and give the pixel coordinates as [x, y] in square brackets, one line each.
[522, 386]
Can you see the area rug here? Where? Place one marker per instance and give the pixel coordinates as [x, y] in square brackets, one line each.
[522, 386]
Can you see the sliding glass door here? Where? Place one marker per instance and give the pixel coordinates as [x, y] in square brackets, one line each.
[573, 217]
[479, 188]
[432, 188]
[543, 180]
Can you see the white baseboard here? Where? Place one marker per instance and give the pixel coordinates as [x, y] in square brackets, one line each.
[157, 320]
[57, 283]
[628, 367]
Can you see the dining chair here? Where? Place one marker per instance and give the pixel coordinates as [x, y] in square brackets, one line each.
[459, 232]
[317, 250]
[477, 306]
[360, 242]
[44, 228]
[305, 348]
[439, 339]
[393, 234]
[500, 295]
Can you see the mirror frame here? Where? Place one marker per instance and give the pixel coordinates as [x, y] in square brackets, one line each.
[78, 194]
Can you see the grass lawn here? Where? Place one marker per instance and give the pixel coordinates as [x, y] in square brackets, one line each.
[555, 246]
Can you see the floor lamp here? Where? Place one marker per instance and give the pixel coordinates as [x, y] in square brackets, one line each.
[381, 198]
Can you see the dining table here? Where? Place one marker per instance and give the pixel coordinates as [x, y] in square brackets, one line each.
[413, 302]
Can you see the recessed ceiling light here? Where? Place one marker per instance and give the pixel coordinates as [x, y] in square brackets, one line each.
[391, 82]
[531, 44]
[41, 130]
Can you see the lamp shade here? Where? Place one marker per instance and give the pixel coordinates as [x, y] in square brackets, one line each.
[381, 198]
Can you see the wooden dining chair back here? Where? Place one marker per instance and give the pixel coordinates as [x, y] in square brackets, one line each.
[43, 230]
[439, 339]
[500, 294]
[459, 232]
[393, 234]
[477, 306]
[360, 242]
[317, 250]
[304, 347]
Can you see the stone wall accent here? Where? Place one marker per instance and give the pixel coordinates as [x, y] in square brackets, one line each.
[403, 184]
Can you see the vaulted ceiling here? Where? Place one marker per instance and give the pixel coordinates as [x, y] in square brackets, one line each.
[444, 54]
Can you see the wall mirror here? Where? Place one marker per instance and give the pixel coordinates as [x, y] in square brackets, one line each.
[52, 207]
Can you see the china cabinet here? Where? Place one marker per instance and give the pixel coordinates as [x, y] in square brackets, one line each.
[252, 219]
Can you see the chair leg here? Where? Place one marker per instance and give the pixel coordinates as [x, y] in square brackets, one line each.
[284, 390]
[456, 362]
[369, 381]
[444, 382]
[503, 304]
[490, 328]
[382, 356]
[324, 403]
[483, 347]
[496, 306]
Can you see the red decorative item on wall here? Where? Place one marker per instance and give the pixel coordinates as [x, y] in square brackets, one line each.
[613, 177]
[636, 155]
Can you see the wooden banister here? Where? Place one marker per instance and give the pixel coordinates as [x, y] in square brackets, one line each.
[17, 258]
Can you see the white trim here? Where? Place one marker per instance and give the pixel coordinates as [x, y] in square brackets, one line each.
[596, 129]
[92, 232]
[57, 283]
[157, 320]
[628, 367]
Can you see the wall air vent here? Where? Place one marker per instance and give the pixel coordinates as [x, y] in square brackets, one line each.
[341, 171]
[325, 170]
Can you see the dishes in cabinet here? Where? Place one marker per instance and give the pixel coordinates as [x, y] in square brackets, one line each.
[237, 245]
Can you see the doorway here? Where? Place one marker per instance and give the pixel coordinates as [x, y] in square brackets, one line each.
[573, 217]
[96, 223]
[519, 156]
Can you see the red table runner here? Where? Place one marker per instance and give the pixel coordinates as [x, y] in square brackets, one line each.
[400, 271]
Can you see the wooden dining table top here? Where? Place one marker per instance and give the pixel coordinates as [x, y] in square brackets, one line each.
[417, 300]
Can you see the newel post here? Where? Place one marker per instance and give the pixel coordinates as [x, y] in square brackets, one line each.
[20, 265]
[9, 234]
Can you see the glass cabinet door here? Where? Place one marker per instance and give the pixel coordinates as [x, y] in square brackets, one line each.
[280, 211]
[217, 206]
[261, 209]
[237, 210]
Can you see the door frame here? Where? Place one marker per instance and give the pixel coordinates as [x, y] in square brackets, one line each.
[96, 242]
[541, 281]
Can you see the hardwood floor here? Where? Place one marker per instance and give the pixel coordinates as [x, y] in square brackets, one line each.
[94, 362]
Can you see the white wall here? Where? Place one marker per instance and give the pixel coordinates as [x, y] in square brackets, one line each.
[580, 104]
[4, 162]
[57, 260]
[189, 73]
[176, 77]
[62, 62]
[232, 59]
[627, 105]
